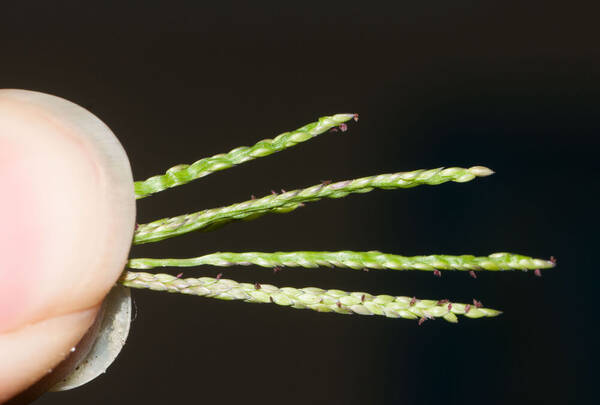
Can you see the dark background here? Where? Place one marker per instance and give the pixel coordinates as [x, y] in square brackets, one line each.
[436, 83]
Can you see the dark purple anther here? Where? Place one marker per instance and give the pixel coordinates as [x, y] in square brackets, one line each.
[413, 301]
[325, 182]
[276, 269]
[553, 259]
[179, 275]
[252, 197]
[467, 308]
[538, 273]
[219, 276]
[441, 302]
[477, 304]
[362, 299]
[450, 306]
[423, 319]
[339, 304]
[343, 127]
[472, 274]
[257, 286]
[272, 300]
[437, 273]
[355, 117]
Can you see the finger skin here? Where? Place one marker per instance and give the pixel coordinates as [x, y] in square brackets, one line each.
[67, 210]
[32, 352]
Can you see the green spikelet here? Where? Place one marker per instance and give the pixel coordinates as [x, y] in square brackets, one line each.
[182, 174]
[313, 298]
[290, 200]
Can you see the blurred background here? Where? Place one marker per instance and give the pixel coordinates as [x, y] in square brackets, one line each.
[511, 86]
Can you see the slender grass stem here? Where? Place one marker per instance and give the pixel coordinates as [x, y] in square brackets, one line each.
[354, 260]
[290, 200]
[182, 174]
[313, 298]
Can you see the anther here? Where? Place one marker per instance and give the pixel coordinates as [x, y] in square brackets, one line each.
[437, 273]
[273, 192]
[355, 117]
[450, 306]
[257, 286]
[271, 299]
[252, 197]
[441, 302]
[538, 273]
[362, 299]
[325, 182]
[219, 276]
[343, 127]
[413, 301]
[339, 304]
[477, 304]
[423, 319]
[472, 274]
[467, 308]
[553, 259]
[276, 269]
[179, 275]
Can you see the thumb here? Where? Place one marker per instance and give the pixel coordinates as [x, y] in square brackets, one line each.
[67, 214]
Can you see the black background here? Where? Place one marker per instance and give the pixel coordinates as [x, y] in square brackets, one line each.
[436, 83]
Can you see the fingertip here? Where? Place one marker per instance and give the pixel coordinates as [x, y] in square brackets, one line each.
[69, 211]
[68, 214]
